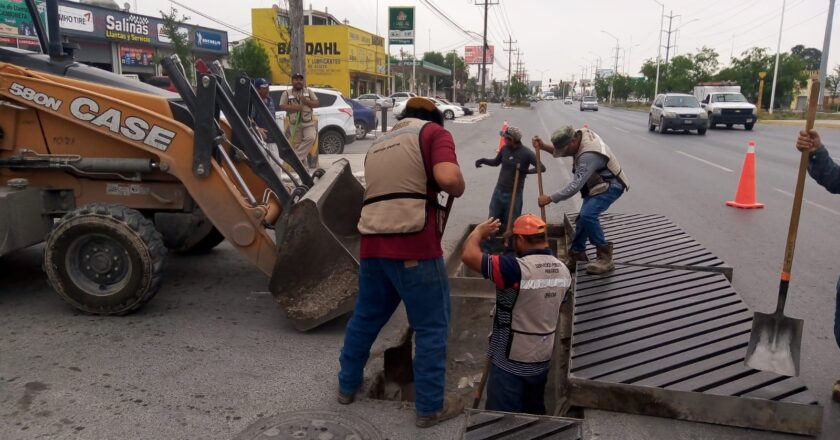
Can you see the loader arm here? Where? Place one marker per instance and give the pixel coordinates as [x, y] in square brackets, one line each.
[146, 123]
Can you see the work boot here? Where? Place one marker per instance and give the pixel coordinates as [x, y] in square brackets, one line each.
[346, 399]
[453, 407]
[604, 262]
[836, 394]
[573, 258]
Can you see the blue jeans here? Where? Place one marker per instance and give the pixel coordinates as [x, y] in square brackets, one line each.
[837, 316]
[511, 393]
[587, 225]
[500, 205]
[424, 288]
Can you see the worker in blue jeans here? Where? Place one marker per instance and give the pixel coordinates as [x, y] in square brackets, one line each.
[826, 172]
[599, 178]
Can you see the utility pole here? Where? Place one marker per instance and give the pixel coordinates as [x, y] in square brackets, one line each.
[509, 50]
[298, 45]
[824, 58]
[659, 49]
[778, 49]
[668, 45]
[486, 5]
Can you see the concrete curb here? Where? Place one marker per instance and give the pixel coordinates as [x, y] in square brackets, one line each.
[471, 119]
[825, 123]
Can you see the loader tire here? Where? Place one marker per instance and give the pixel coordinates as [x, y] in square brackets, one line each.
[105, 259]
[206, 244]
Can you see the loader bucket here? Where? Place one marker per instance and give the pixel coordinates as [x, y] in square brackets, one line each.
[315, 278]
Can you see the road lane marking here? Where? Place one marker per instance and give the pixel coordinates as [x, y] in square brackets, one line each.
[621, 129]
[706, 162]
[815, 205]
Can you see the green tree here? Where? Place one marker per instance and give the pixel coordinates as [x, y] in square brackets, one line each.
[518, 90]
[250, 58]
[434, 58]
[602, 86]
[744, 71]
[832, 82]
[680, 74]
[705, 64]
[180, 41]
[811, 56]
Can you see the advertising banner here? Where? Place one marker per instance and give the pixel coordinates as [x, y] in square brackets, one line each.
[136, 56]
[208, 40]
[473, 54]
[401, 25]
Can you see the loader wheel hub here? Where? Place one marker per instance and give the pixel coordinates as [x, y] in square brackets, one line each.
[311, 424]
[99, 263]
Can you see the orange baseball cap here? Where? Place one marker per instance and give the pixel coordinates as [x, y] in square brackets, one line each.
[528, 224]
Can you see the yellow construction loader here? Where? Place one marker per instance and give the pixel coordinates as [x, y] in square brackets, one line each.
[113, 174]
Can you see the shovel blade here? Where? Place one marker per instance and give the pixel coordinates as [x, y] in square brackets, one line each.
[775, 343]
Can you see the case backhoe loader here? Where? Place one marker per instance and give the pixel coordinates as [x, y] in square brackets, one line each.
[110, 172]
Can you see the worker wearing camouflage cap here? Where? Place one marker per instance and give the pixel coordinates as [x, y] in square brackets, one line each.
[599, 178]
[513, 155]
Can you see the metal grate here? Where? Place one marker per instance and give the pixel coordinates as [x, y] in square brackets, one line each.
[654, 240]
[671, 342]
[486, 425]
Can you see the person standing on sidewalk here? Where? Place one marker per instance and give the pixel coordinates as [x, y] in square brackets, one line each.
[261, 84]
[512, 155]
[298, 103]
[401, 255]
[600, 180]
[825, 171]
[530, 288]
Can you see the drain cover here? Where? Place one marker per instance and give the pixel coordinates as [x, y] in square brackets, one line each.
[310, 425]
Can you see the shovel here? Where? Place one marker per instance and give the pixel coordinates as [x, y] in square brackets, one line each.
[776, 340]
[540, 187]
[512, 207]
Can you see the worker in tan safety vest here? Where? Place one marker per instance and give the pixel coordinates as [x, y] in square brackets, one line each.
[402, 257]
[599, 178]
[530, 288]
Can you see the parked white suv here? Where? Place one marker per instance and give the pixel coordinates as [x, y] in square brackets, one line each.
[449, 111]
[336, 127]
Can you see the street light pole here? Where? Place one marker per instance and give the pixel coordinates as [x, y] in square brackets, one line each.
[615, 71]
[778, 49]
[659, 49]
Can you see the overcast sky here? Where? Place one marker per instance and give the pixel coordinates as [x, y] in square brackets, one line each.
[557, 37]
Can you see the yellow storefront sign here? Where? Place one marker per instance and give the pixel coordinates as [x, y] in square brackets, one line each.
[334, 53]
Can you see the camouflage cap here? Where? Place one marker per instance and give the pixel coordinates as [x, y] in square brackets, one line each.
[561, 138]
[513, 133]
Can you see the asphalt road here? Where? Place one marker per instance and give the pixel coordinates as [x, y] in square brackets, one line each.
[211, 354]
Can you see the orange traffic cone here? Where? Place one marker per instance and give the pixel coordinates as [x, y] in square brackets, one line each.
[745, 197]
[502, 138]
[585, 125]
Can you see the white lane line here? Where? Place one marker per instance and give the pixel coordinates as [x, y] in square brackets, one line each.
[621, 129]
[815, 205]
[706, 162]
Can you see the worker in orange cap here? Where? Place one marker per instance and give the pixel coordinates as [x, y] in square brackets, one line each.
[530, 288]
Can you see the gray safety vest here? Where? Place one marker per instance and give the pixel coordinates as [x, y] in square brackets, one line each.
[592, 143]
[396, 195]
[536, 311]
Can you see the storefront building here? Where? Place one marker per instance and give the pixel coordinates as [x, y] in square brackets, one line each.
[113, 40]
[340, 56]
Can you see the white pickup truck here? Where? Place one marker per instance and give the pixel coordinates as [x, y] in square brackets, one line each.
[726, 105]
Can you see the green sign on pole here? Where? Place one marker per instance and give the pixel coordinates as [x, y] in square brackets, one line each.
[401, 25]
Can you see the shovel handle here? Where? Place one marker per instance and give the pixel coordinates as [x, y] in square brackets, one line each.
[450, 199]
[797, 200]
[539, 183]
[509, 225]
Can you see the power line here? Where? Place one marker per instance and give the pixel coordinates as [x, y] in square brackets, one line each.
[787, 28]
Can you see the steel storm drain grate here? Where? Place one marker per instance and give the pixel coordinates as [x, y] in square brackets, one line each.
[310, 425]
[654, 240]
[485, 425]
[669, 342]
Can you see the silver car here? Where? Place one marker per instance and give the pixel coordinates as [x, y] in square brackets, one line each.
[677, 111]
[589, 103]
[375, 101]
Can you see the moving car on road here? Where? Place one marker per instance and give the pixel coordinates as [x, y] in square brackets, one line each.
[363, 117]
[726, 105]
[589, 103]
[375, 101]
[677, 111]
[399, 97]
[449, 111]
[568, 100]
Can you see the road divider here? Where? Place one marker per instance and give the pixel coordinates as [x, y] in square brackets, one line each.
[809, 202]
[720, 167]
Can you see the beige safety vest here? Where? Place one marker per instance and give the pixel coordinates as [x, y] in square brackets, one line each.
[592, 143]
[536, 311]
[396, 194]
